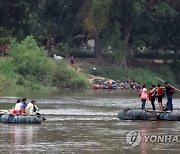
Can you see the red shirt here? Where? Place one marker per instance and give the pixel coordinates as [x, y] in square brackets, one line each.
[159, 91]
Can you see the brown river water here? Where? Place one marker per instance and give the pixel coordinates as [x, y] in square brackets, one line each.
[86, 122]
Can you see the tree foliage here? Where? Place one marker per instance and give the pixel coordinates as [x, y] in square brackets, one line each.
[157, 29]
[124, 25]
[95, 21]
[30, 60]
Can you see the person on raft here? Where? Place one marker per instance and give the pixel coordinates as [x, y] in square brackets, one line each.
[31, 108]
[24, 104]
[18, 109]
[144, 96]
[160, 93]
[152, 96]
[169, 92]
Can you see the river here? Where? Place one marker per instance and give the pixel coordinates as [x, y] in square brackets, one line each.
[86, 122]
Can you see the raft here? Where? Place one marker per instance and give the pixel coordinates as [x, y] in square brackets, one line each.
[9, 118]
[169, 116]
[137, 114]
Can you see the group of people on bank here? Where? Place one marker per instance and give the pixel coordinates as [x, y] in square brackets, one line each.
[22, 107]
[105, 84]
[157, 92]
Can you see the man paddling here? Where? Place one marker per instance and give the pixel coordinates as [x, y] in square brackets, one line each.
[169, 92]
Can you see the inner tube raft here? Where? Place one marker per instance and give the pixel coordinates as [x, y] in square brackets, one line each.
[137, 114]
[21, 119]
[169, 116]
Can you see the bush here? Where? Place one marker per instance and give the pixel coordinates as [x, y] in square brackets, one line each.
[29, 66]
[67, 77]
[30, 61]
[6, 66]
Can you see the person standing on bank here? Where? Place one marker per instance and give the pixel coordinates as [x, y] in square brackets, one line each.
[144, 96]
[32, 108]
[169, 92]
[72, 60]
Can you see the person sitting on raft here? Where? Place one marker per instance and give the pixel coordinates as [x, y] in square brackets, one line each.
[18, 109]
[24, 104]
[32, 109]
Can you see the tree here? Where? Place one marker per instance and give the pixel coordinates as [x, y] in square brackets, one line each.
[54, 18]
[126, 13]
[15, 16]
[95, 21]
[158, 28]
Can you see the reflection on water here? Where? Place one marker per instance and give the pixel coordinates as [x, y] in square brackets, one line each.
[84, 122]
[14, 137]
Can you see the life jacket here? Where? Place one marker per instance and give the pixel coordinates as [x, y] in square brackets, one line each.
[159, 91]
[150, 96]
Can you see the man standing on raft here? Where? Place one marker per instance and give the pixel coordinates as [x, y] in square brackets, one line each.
[169, 92]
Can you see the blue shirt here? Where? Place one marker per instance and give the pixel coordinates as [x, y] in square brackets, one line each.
[24, 104]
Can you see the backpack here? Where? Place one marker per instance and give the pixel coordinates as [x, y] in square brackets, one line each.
[144, 95]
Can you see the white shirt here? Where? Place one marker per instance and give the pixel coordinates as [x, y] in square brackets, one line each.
[30, 109]
[18, 106]
[144, 89]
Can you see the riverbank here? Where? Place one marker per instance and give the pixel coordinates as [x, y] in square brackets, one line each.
[142, 71]
[29, 66]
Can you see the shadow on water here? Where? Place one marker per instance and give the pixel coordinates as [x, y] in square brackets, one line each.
[84, 122]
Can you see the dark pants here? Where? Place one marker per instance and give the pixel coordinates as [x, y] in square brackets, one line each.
[143, 103]
[152, 102]
[169, 103]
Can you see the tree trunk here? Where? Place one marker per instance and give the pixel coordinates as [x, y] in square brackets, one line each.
[97, 48]
[127, 32]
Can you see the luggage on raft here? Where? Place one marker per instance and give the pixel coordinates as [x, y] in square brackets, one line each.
[9, 118]
[138, 114]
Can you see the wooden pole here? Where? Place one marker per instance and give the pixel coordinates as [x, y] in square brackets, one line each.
[168, 84]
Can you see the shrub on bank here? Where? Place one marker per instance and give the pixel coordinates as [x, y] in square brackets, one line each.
[6, 72]
[67, 77]
[30, 60]
[28, 66]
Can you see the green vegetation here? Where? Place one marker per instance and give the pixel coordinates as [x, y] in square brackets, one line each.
[139, 75]
[28, 66]
[121, 29]
[67, 77]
